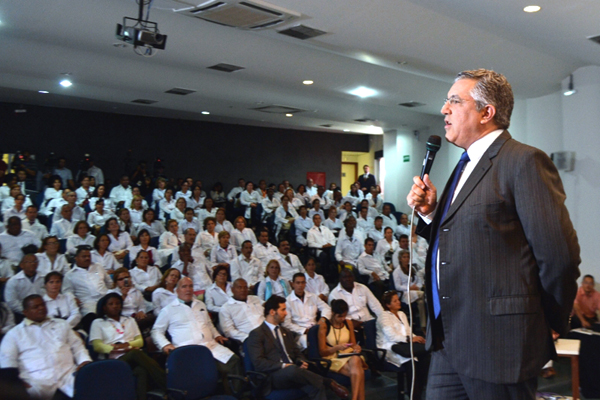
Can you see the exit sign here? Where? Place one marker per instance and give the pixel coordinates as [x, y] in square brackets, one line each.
[406, 158]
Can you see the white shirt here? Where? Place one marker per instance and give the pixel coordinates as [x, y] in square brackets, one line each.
[97, 174]
[288, 269]
[376, 204]
[169, 240]
[249, 198]
[237, 237]
[376, 235]
[358, 300]
[185, 195]
[369, 263]
[12, 212]
[203, 213]
[206, 240]
[185, 225]
[196, 205]
[311, 191]
[12, 245]
[155, 230]
[401, 284]
[166, 207]
[319, 236]
[188, 325]
[365, 225]
[265, 252]
[238, 318]
[251, 270]
[348, 249]
[198, 272]
[390, 221]
[157, 196]
[302, 225]
[303, 314]
[46, 355]
[269, 206]
[391, 330]
[108, 261]
[225, 226]
[161, 298]
[403, 230]
[62, 228]
[78, 212]
[220, 255]
[45, 265]
[6, 269]
[333, 225]
[132, 304]
[40, 231]
[383, 246]
[316, 285]
[87, 285]
[280, 287]
[136, 215]
[20, 286]
[312, 212]
[108, 204]
[234, 192]
[119, 193]
[123, 242]
[75, 240]
[281, 215]
[83, 194]
[215, 297]
[63, 307]
[110, 331]
[325, 202]
[143, 279]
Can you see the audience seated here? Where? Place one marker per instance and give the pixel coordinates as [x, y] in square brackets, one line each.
[165, 293]
[349, 245]
[315, 283]
[302, 224]
[222, 223]
[337, 341]
[273, 283]
[290, 263]
[208, 238]
[263, 250]
[250, 200]
[302, 307]
[169, 241]
[270, 204]
[49, 259]
[28, 281]
[145, 276]
[125, 223]
[241, 313]
[241, 234]
[324, 201]
[316, 209]
[120, 241]
[81, 236]
[247, 267]
[121, 195]
[53, 192]
[167, 205]
[198, 202]
[69, 198]
[236, 191]
[97, 218]
[101, 193]
[371, 265]
[394, 334]
[389, 219]
[132, 300]
[136, 209]
[197, 269]
[282, 360]
[377, 233]
[334, 224]
[219, 292]
[375, 200]
[17, 210]
[102, 256]
[84, 192]
[322, 240]
[60, 305]
[158, 193]
[14, 239]
[63, 227]
[387, 246]
[587, 304]
[114, 335]
[189, 221]
[178, 213]
[149, 222]
[187, 322]
[223, 253]
[46, 351]
[401, 282]
[144, 244]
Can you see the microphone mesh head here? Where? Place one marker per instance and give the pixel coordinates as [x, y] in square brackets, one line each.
[433, 143]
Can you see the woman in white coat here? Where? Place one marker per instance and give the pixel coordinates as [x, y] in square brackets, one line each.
[285, 215]
[169, 242]
[240, 234]
[81, 236]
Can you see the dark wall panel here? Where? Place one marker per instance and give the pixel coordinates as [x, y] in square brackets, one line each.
[208, 151]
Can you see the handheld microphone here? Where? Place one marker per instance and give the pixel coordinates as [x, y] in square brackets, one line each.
[433, 145]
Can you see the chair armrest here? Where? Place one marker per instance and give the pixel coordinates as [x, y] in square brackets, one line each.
[157, 394]
[245, 380]
[256, 379]
[320, 365]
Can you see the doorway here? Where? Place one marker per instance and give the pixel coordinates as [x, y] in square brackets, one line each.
[349, 176]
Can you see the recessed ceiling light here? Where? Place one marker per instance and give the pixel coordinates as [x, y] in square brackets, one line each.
[205, 112]
[43, 91]
[532, 9]
[374, 129]
[289, 115]
[363, 92]
[307, 82]
[346, 130]
[66, 83]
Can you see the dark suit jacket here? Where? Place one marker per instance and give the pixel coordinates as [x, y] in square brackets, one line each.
[263, 351]
[509, 261]
[367, 182]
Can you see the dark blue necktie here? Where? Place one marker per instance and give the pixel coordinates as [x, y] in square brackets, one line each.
[464, 159]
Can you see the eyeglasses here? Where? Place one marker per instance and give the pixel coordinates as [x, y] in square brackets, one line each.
[123, 278]
[49, 243]
[453, 100]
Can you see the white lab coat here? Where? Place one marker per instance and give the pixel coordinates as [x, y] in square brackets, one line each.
[45, 265]
[251, 270]
[359, 301]
[390, 331]
[87, 285]
[19, 286]
[215, 297]
[237, 318]
[63, 307]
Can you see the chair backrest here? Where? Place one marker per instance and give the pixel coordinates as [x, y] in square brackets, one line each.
[312, 339]
[248, 366]
[106, 379]
[370, 330]
[183, 367]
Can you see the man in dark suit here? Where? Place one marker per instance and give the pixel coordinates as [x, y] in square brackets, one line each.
[503, 257]
[366, 180]
[273, 351]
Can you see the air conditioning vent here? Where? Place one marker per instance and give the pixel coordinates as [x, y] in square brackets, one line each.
[302, 32]
[144, 101]
[277, 109]
[180, 91]
[595, 39]
[364, 120]
[411, 104]
[241, 14]
[225, 67]
[327, 125]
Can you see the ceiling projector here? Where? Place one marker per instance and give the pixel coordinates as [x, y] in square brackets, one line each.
[141, 33]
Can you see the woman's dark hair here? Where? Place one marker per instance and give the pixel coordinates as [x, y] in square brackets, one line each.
[51, 181]
[219, 269]
[146, 212]
[386, 228]
[339, 307]
[299, 186]
[273, 303]
[97, 240]
[140, 233]
[163, 280]
[216, 186]
[108, 222]
[44, 243]
[207, 219]
[53, 274]
[106, 194]
[387, 297]
[78, 224]
[102, 303]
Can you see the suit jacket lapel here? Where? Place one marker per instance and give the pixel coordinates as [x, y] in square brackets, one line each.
[269, 334]
[478, 173]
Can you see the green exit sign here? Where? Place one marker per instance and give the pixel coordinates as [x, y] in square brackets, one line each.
[406, 158]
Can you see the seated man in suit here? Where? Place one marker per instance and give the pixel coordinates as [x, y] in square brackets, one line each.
[272, 350]
[187, 321]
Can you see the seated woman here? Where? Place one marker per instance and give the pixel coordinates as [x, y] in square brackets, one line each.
[18, 209]
[301, 195]
[9, 202]
[336, 341]
[60, 305]
[135, 191]
[119, 241]
[146, 277]
[220, 291]
[209, 237]
[167, 205]
[96, 219]
[84, 192]
[184, 193]
[207, 210]
[394, 335]
[315, 283]
[125, 223]
[144, 239]
[190, 221]
[158, 193]
[224, 253]
[400, 277]
[240, 234]
[250, 200]
[334, 224]
[222, 223]
[118, 337]
[169, 242]
[101, 193]
[81, 235]
[273, 282]
[54, 191]
[355, 195]
[165, 293]
[196, 200]
[178, 213]
[101, 255]
[134, 304]
[293, 200]
[387, 246]
[149, 223]
[285, 215]
[136, 210]
[316, 210]
[49, 259]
